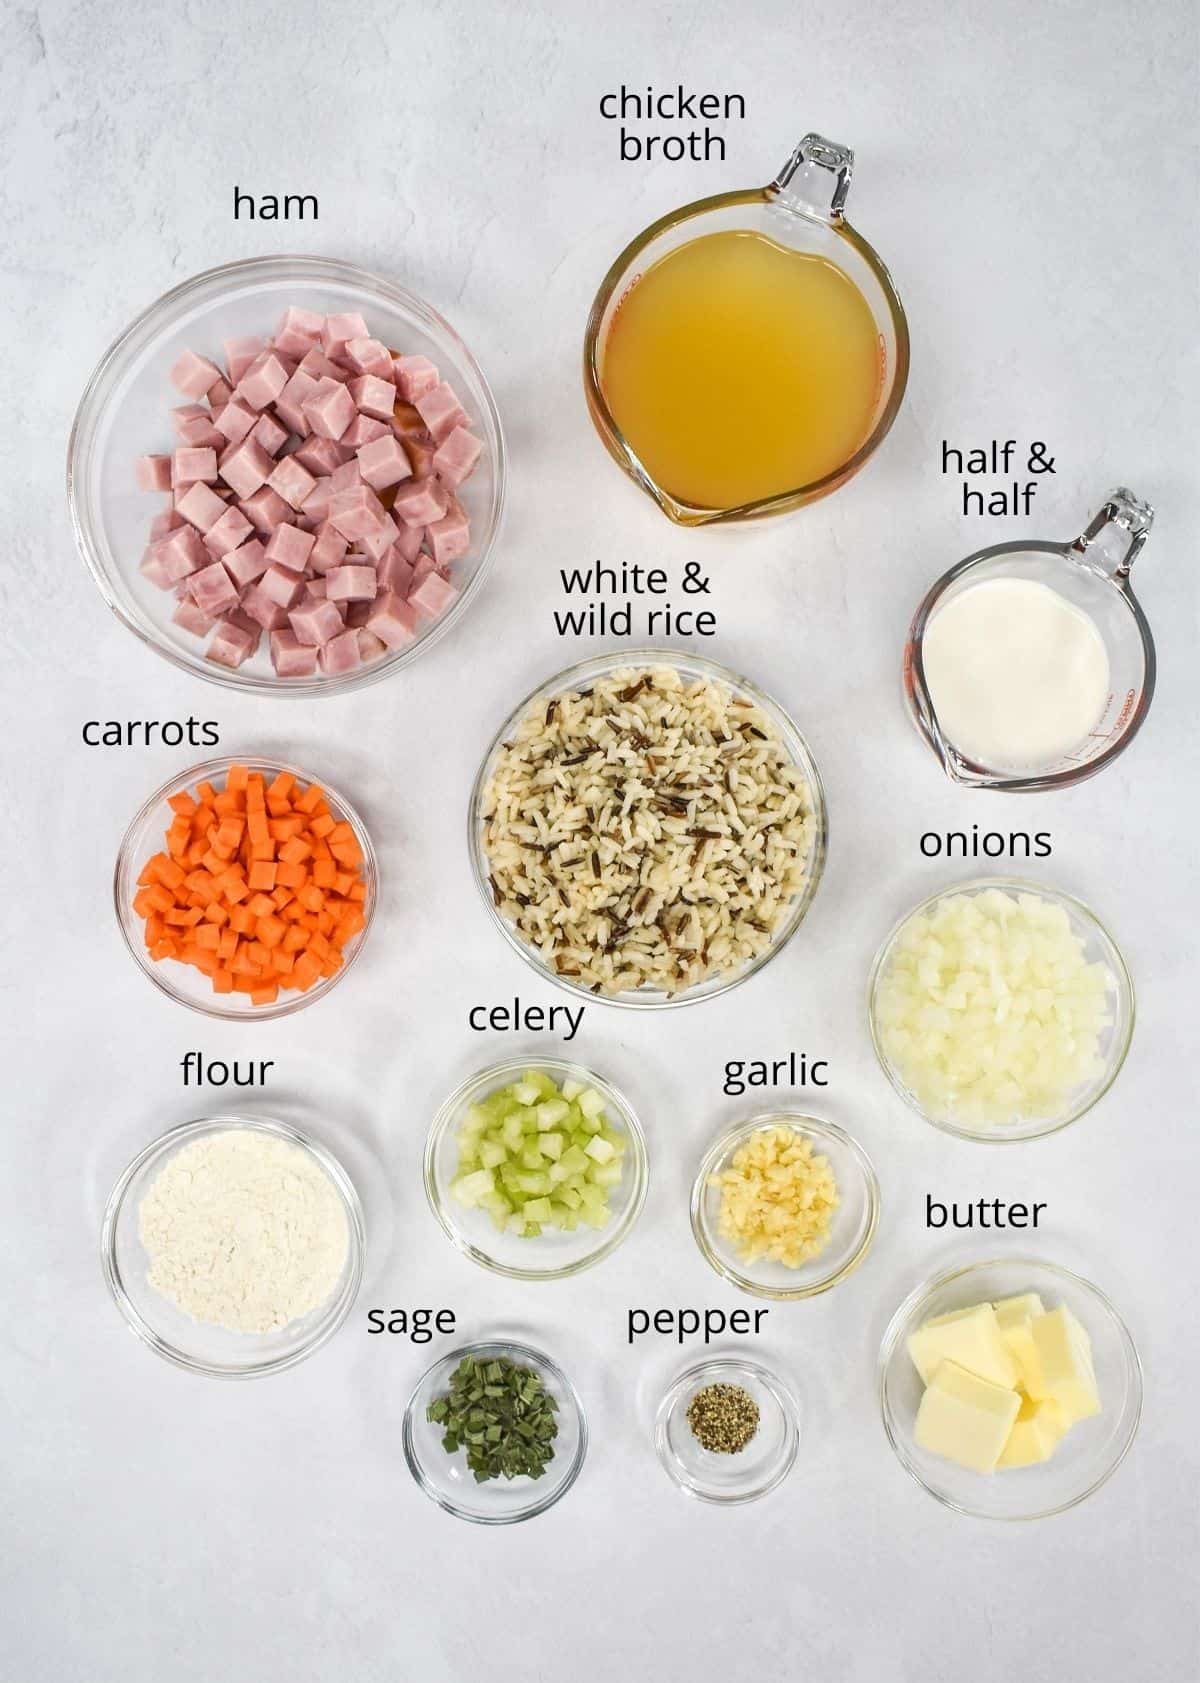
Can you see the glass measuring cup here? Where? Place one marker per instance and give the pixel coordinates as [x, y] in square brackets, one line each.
[1092, 573]
[801, 209]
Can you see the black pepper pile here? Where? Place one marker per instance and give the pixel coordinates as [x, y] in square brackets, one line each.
[723, 1418]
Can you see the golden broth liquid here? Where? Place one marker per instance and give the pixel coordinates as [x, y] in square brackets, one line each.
[738, 369]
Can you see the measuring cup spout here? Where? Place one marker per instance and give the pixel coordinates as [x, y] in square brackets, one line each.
[815, 180]
[1113, 538]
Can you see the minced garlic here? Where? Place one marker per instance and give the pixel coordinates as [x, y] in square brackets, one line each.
[778, 1196]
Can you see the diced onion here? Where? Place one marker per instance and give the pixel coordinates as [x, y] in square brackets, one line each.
[989, 1011]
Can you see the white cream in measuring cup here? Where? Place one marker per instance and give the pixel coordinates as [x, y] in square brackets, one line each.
[1018, 676]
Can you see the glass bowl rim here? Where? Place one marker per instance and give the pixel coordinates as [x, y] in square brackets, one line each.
[178, 1135]
[890, 1344]
[781, 502]
[819, 1129]
[920, 702]
[799, 755]
[1125, 990]
[94, 400]
[785, 1399]
[125, 865]
[513, 1349]
[444, 1119]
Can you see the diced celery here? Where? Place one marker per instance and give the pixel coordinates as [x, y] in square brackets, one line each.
[558, 1174]
[470, 1189]
[590, 1103]
[536, 1184]
[526, 1092]
[537, 1209]
[476, 1119]
[599, 1150]
[569, 1196]
[571, 1089]
[551, 1113]
[491, 1154]
[574, 1160]
[595, 1216]
[512, 1133]
[552, 1145]
[607, 1174]
[531, 1158]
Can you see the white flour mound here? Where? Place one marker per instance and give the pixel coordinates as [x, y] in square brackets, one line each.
[244, 1231]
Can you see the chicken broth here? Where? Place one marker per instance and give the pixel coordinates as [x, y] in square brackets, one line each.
[738, 369]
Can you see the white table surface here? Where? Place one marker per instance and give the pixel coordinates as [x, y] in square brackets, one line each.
[1029, 172]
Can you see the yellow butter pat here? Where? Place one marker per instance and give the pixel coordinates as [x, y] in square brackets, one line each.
[965, 1418]
[1015, 1317]
[1064, 1353]
[969, 1337]
[1035, 1435]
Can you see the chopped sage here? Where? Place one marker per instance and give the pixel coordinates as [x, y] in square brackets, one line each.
[501, 1415]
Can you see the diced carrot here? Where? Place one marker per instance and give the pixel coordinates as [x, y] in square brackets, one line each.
[295, 940]
[222, 980]
[291, 875]
[261, 906]
[311, 897]
[241, 920]
[358, 892]
[282, 961]
[343, 882]
[282, 896]
[227, 946]
[216, 913]
[262, 874]
[257, 827]
[165, 948]
[306, 971]
[158, 898]
[271, 931]
[237, 778]
[310, 800]
[233, 886]
[324, 873]
[265, 996]
[155, 928]
[182, 804]
[258, 952]
[323, 826]
[294, 851]
[282, 786]
[208, 936]
[206, 793]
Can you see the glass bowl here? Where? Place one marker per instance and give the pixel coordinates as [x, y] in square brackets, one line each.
[753, 1471]
[1099, 946]
[446, 1479]
[1091, 1451]
[182, 982]
[553, 1255]
[854, 1221]
[124, 413]
[176, 1336]
[802, 209]
[694, 668]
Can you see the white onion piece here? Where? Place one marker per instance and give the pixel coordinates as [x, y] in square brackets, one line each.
[989, 1012]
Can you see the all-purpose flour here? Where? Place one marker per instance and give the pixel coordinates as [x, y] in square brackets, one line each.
[244, 1231]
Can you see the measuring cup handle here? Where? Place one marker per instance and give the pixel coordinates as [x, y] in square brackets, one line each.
[816, 179]
[1116, 533]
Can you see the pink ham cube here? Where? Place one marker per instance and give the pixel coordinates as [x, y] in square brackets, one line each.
[228, 533]
[218, 395]
[191, 618]
[369, 356]
[193, 424]
[168, 521]
[340, 654]
[393, 620]
[299, 331]
[236, 420]
[329, 410]
[289, 405]
[357, 614]
[240, 354]
[449, 537]
[455, 459]
[269, 435]
[370, 647]
[415, 375]
[394, 573]
[345, 478]
[281, 585]
[265, 509]
[314, 589]
[321, 456]
[316, 504]
[153, 473]
[339, 330]
[194, 375]
[263, 609]
[316, 622]
[263, 381]
[383, 462]
[374, 396]
[441, 411]
[234, 640]
[289, 547]
[292, 481]
[213, 591]
[201, 505]
[245, 466]
[410, 540]
[362, 429]
[376, 544]
[246, 563]
[328, 548]
[432, 596]
[421, 502]
[357, 512]
[182, 553]
[290, 657]
[152, 567]
[319, 367]
[191, 466]
[351, 583]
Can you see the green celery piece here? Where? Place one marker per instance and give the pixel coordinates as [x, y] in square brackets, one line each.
[469, 1189]
[607, 1174]
[591, 1104]
[552, 1145]
[531, 1230]
[537, 1209]
[491, 1155]
[574, 1160]
[550, 1113]
[569, 1197]
[534, 1183]
[527, 1092]
[597, 1217]
[531, 1158]
[599, 1150]
[512, 1133]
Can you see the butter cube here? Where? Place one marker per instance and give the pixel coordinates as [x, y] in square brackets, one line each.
[970, 1337]
[1015, 1317]
[1064, 1352]
[1036, 1434]
[965, 1419]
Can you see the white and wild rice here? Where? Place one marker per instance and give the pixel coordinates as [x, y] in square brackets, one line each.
[646, 831]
